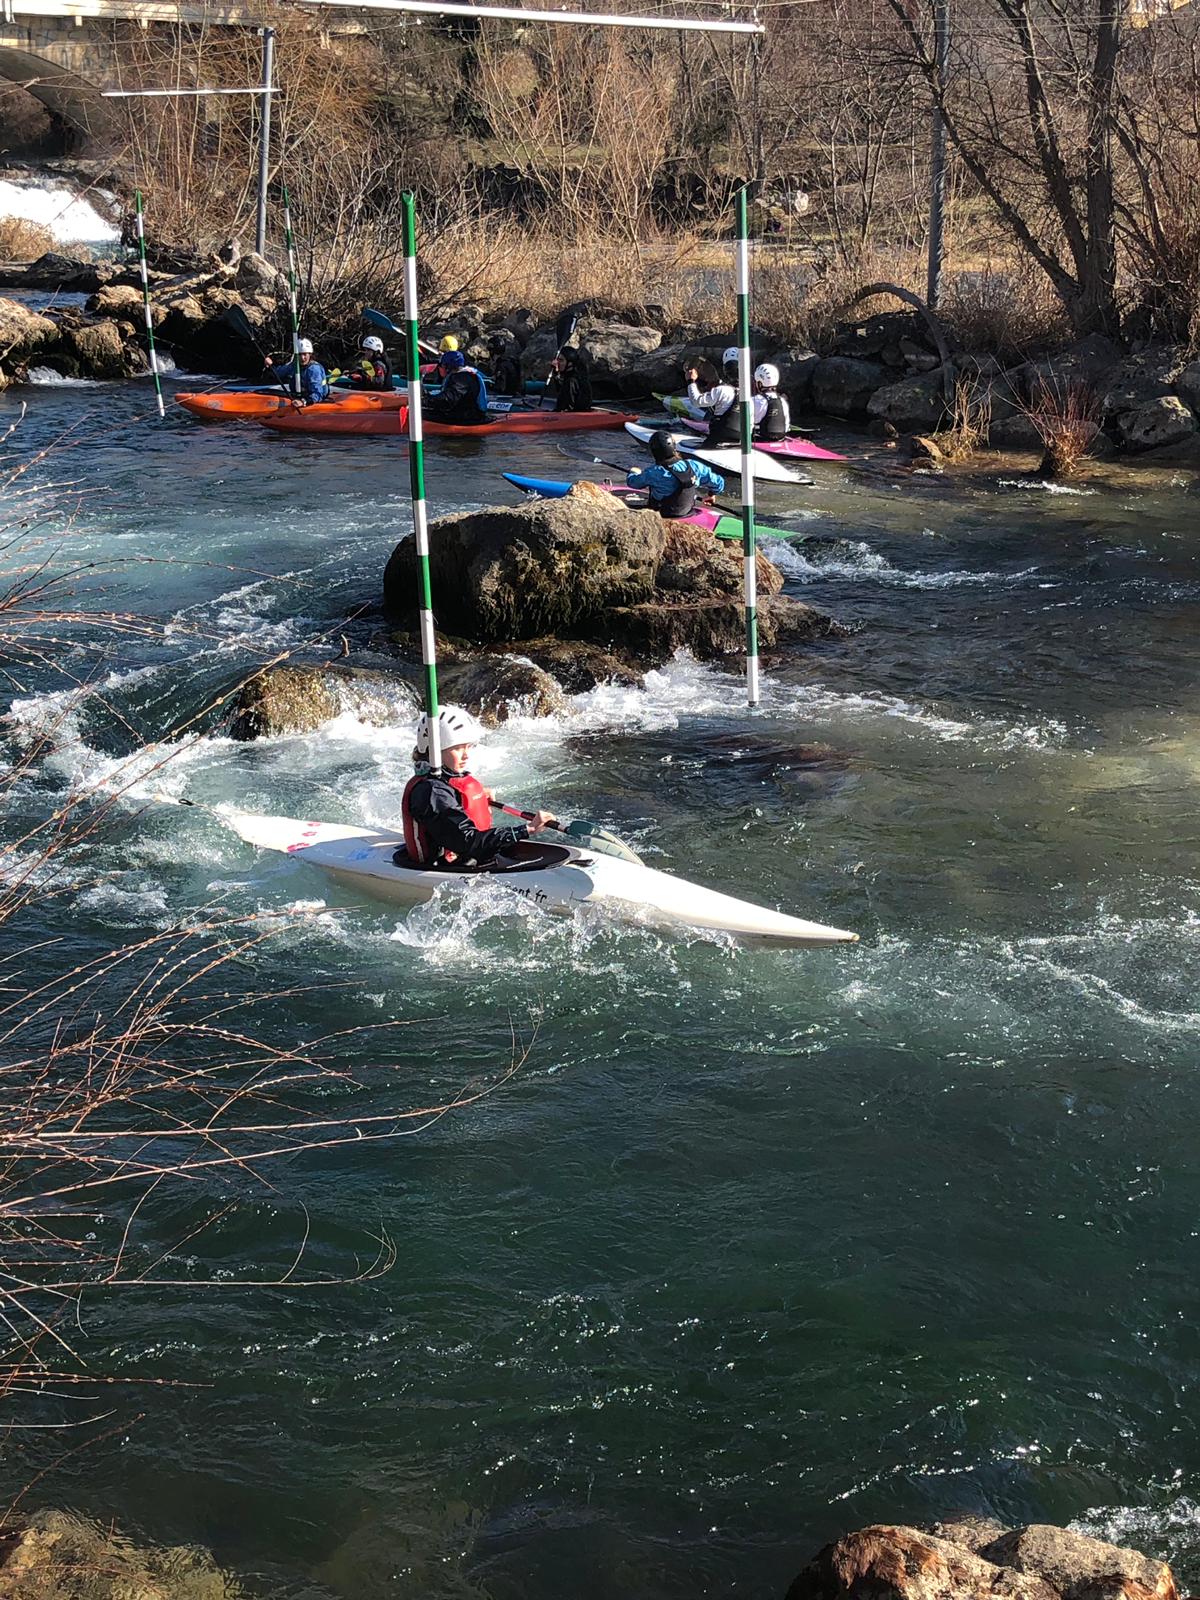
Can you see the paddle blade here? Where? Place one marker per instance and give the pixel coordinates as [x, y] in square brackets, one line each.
[591, 836]
[240, 323]
[565, 326]
[378, 320]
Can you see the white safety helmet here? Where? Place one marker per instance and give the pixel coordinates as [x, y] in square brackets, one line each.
[455, 726]
[767, 375]
[304, 347]
[729, 359]
[373, 342]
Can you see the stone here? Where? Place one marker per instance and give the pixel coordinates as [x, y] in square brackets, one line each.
[99, 350]
[694, 563]
[298, 699]
[917, 402]
[548, 566]
[255, 275]
[1187, 385]
[118, 300]
[882, 336]
[499, 687]
[1085, 364]
[972, 1532]
[521, 325]
[578, 666]
[1078, 1567]
[55, 271]
[617, 352]
[926, 449]
[1016, 432]
[23, 333]
[796, 368]
[56, 1556]
[1147, 376]
[843, 386]
[1165, 420]
[898, 1563]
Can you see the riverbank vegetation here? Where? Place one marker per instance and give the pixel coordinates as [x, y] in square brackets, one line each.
[558, 164]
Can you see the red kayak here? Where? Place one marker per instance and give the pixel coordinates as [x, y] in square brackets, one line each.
[362, 417]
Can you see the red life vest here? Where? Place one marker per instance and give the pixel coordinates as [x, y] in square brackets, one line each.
[474, 802]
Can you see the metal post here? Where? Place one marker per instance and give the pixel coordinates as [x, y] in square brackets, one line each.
[141, 239]
[937, 154]
[291, 258]
[416, 478]
[745, 406]
[264, 138]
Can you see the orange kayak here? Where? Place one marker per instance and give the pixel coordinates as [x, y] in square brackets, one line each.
[231, 404]
[366, 416]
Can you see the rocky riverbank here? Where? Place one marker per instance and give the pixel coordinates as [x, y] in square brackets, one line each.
[893, 373]
[56, 1556]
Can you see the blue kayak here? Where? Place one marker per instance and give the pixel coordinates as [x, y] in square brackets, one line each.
[719, 522]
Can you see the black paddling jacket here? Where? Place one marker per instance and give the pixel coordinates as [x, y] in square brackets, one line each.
[438, 809]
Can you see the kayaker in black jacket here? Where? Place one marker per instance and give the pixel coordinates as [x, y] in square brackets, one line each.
[447, 816]
[463, 398]
[572, 380]
[372, 369]
[506, 367]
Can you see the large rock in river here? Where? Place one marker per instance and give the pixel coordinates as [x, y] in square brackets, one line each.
[585, 568]
[1165, 420]
[843, 385]
[546, 567]
[298, 699]
[978, 1560]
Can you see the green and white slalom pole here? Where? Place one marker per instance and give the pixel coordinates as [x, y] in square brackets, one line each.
[416, 478]
[141, 239]
[745, 406]
[292, 296]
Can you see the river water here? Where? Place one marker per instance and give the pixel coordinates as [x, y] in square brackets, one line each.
[755, 1247]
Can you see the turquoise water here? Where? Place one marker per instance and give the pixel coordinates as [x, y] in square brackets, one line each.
[754, 1247]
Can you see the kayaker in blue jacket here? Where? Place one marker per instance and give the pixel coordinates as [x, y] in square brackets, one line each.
[314, 381]
[672, 482]
[463, 396]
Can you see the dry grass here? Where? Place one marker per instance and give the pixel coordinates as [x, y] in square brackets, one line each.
[1009, 312]
[21, 240]
[970, 421]
[1067, 419]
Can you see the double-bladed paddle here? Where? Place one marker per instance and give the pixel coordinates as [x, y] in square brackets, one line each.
[244, 328]
[564, 328]
[588, 834]
[386, 325]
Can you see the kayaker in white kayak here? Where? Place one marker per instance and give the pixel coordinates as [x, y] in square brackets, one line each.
[448, 816]
[718, 406]
[314, 381]
[672, 483]
[772, 419]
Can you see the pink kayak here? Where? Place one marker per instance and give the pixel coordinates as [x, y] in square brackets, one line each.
[724, 525]
[802, 449]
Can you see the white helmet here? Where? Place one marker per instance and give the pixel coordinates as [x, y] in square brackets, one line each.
[373, 342]
[767, 375]
[730, 357]
[304, 347]
[455, 726]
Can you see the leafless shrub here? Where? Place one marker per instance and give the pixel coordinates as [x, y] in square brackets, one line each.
[22, 240]
[1067, 418]
[1003, 310]
[970, 420]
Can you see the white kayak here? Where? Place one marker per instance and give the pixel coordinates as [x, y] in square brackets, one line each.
[557, 878]
[767, 469]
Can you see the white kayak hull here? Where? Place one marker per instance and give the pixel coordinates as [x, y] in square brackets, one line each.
[767, 469]
[360, 859]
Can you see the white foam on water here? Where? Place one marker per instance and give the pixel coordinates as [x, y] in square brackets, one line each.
[858, 560]
[47, 377]
[1044, 484]
[70, 217]
[1172, 1527]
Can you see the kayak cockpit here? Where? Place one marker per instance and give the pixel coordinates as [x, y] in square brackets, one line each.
[526, 855]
